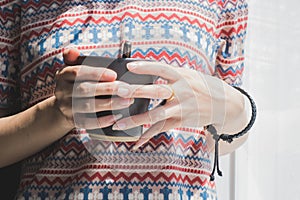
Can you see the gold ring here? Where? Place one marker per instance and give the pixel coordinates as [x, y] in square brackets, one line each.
[172, 97]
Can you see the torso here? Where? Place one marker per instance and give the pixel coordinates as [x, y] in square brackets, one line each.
[172, 165]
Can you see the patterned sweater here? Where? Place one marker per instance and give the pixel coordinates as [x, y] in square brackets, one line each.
[203, 35]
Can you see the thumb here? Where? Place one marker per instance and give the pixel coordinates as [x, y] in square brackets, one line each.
[71, 56]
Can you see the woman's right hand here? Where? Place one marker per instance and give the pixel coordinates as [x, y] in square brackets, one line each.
[30, 131]
[76, 88]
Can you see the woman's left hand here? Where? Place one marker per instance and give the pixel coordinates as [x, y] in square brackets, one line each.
[192, 105]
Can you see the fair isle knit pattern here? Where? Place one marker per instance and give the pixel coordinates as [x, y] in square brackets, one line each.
[203, 35]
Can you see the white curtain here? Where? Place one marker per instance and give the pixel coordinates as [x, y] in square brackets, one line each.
[267, 167]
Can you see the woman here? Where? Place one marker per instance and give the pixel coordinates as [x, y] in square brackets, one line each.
[193, 41]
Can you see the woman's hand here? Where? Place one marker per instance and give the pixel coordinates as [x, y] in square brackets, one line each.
[191, 106]
[76, 88]
[198, 100]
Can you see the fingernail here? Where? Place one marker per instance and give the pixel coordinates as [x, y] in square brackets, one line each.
[131, 101]
[134, 148]
[66, 51]
[132, 65]
[126, 102]
[117, 117]
[137, 145]
[109, 73]
[119, 126]
[122, 91]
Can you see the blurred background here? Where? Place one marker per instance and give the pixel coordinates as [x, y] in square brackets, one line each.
[267, 167]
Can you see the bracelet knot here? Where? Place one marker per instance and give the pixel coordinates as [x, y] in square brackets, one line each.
[226, 137]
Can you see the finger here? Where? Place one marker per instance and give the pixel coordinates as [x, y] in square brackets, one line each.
[86, 73]
[82, 121]
[154, 68]
[144, 91]
[92, 105]
[155, 129]
[92, 89]
[63, 90]
[70, 56]
[151, 117]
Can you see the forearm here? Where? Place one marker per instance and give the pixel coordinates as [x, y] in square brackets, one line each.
[30, 131]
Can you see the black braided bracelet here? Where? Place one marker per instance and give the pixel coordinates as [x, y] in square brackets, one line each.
[229, 138]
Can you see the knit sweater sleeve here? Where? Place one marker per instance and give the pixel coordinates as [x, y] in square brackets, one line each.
[231, 33]
[9, 56]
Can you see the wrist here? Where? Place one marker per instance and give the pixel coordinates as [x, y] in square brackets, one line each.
[219, 102]
[238, 111]
[55, 115]
[230, 137]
